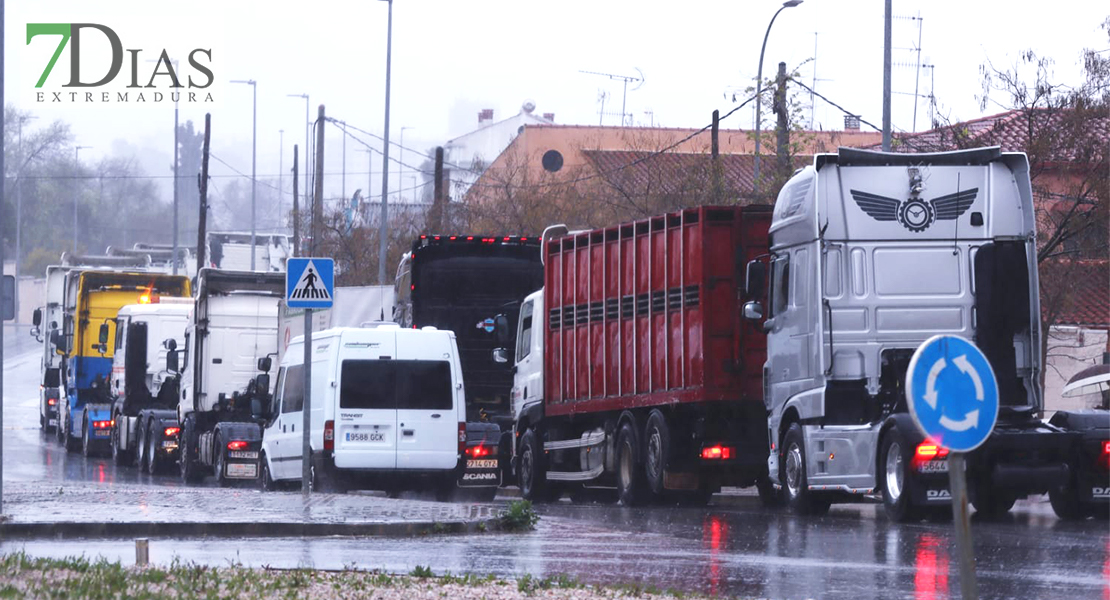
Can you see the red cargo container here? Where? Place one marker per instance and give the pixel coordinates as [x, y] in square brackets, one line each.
[652, 381]
[648, 313]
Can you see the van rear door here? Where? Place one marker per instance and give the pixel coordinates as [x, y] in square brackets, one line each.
[426, 417]
[366, 418]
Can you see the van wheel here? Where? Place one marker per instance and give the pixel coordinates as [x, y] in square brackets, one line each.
[894, 467]
[658, 442]
[798, 496]
[532, 476]
[630, 478]
[265, 480]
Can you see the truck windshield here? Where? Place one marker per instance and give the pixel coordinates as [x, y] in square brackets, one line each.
[395, 384]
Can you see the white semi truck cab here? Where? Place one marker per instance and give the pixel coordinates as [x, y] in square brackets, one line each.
[871, 254]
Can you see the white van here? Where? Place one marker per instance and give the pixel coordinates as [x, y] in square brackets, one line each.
[388, 410]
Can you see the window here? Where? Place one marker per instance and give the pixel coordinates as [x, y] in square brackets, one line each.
[780, 284]
[292, 390]
[120, 326]
[552, 161]
[524, 342]
[390, 384]
[276, 399]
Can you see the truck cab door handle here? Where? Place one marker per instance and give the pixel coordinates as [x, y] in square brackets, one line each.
[283, 427]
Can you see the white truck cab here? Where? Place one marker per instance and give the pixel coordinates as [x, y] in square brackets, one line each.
[387, 410]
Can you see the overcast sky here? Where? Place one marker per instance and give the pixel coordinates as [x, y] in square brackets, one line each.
[452, 58]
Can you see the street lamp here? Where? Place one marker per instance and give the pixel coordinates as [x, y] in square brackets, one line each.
[254, 154]
[401, 162]
[759, 84]
[385, 151]
[281, 169]
[307, 162]
[19, 211]
[77, 159]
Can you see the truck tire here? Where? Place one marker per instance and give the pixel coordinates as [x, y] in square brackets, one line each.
[86, 443]
[657, 438]
[70, 443]
[532, 474]
[1065, 503]
[894, 473]
[631, 486]
[991, 503]
[799, 498]
[190, 470]
[221, 462]
[153, 463]
[120, 456]
[141, 447]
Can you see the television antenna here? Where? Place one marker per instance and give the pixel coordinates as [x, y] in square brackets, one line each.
[626, 79]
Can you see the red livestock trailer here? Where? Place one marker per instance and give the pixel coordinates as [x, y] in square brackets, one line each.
[651, 378]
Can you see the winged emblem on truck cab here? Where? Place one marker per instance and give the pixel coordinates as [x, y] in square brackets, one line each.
[914, 213]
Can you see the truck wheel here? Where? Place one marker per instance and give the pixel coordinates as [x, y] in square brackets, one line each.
[87, 448]
[894, 465]
[71, 444]
[532, 476]
[140, 447]
[119, 455]
[190, 470]
[658, 442]
[798, 496]
[1066, 505]
[630, 478]
[221, 462]
[153, 463]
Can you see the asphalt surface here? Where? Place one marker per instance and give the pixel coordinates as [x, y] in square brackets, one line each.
[732, 547]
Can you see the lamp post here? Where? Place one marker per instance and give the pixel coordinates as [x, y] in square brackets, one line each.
[401, 162]
[759, 84]
[254, 155]
[307, 152]
[385, 151]
[19, 211]
[77, 159]
[281, 168]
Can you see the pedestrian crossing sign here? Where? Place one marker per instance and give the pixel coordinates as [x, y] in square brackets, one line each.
[309, 282]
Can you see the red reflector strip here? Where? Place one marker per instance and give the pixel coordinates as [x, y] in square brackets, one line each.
[237, 445]
[171, 431]
[716, 453]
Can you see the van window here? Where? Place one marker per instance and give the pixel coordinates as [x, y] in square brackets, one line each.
[408, 384]
[524, 341]
[292, 390]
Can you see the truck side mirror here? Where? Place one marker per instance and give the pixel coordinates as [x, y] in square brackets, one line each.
[36, 318]
[171, 361]
[264, 365]
[262, 382]
[102, 338]
[756, 279]
[169, 344]
[753, 311]
[501, 330]
[500, 355]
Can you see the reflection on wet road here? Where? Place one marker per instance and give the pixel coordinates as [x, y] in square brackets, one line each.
[731, 548]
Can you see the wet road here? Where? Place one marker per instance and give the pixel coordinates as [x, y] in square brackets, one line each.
[730, 548]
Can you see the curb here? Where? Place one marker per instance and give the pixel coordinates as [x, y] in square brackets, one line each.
[65, 529]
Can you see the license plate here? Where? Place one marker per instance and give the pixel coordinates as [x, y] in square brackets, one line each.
[102, 433]
[933, 466]
[52, 422]
[169, 444]
[242, 470]
[370, 436]
[242, 454]
[481, 464]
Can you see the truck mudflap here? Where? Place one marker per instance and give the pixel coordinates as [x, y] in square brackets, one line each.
[480, 465]
[241, 446]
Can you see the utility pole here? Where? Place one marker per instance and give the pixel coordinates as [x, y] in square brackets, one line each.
[382, 225]
[296, 209]
[2, 105]
[435, 216]
[886, 77]
[281, 171]
[77, 162]
[202, 222]
[318, 199]
[19, 213]
[783, 126]
[715, 152]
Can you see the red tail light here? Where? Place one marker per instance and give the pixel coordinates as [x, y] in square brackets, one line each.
[1106, 447]
[237, 445]
[102, 424]
[716, 452]
[329, 435]
[478, 451]
[462, 437]
[929, 450]
[171, 431]
[51, 401]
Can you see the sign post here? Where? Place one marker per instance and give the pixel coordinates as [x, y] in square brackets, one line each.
[7, 313]
[309, 284]
[953, 398]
